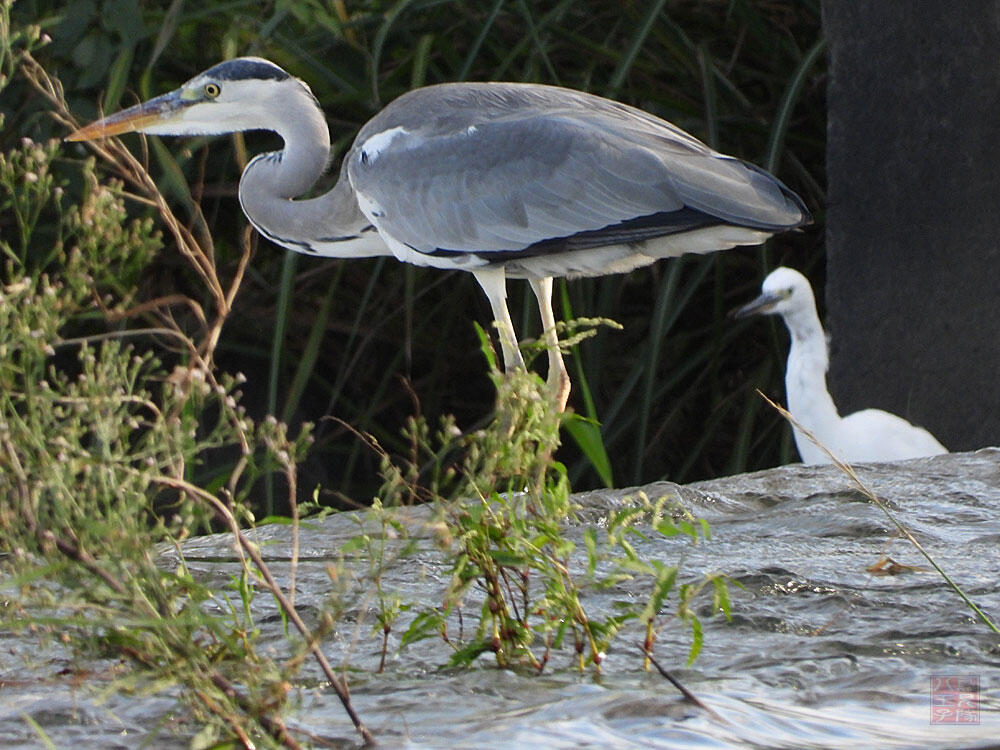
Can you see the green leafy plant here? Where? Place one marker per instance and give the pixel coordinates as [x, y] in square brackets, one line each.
[503, 516]
[103, 428]
[94, 448]
[668, 517]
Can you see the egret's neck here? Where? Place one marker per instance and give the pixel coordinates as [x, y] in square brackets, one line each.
[809, 401]
[272, 181]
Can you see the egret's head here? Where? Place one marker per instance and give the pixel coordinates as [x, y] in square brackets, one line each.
[247, 93]
[784, 291]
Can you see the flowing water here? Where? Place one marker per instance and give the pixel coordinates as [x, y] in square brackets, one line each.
[820, 653]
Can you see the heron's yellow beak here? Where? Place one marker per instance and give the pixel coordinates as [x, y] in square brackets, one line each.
[141, 116]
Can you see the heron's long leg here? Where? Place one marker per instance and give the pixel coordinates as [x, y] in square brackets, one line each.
[558, 378]
[493, 280]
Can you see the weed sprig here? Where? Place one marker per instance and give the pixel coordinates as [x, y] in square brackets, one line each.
[101, 439]
[504, 517]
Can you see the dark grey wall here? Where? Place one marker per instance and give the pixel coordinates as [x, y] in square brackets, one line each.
[913, 233]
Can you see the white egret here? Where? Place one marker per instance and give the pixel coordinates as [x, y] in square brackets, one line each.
[867, 435]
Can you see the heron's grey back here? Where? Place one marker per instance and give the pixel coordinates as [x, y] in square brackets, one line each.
[494, 167]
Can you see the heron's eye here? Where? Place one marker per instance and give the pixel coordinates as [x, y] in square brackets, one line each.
[212, 90]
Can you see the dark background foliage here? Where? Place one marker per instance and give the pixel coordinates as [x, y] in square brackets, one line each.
[371, 342]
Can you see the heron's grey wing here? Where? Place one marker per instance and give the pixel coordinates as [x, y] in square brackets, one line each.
[515, 181]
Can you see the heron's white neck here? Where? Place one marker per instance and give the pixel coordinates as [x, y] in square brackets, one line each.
[272, 181]
[809, 401]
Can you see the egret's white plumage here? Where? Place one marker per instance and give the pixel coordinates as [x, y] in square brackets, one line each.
[867, 435]
[499, 179]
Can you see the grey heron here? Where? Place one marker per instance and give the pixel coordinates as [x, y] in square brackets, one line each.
[504, 180]
[867, 435]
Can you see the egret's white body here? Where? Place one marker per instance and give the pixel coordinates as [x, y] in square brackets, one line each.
[867, 435]
[498, 179]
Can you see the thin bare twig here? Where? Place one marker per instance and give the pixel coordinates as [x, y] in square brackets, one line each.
[688, 695]
[201, 258]
[113, 151]
[848, 470]
[274, 726]
[251, 549]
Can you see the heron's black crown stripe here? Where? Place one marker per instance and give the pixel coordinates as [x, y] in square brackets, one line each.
[243, 69]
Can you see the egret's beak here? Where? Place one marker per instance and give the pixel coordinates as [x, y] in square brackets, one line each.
[156, 111]
[763, 305]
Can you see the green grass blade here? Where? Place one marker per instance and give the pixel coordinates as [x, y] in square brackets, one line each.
[669, 306]
[282, 312]
[540, 47]
[43, 736]
[784, 115]
[517, 50]
[313, 347]
[118, 79]
[418, 75]
[586, 433]
[379, 44]
[710, 95]
[477, 44]
[635, 45]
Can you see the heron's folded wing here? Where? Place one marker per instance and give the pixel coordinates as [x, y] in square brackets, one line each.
[511, 183]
